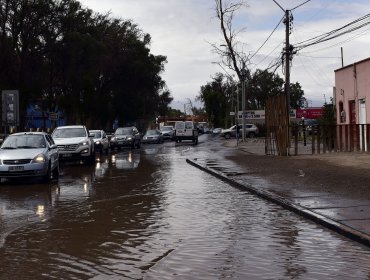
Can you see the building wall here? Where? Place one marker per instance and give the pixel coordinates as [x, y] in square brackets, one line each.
[353, 84]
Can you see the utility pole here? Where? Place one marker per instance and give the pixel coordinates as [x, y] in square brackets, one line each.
[243, 79]
[288, 50]
[287, 73]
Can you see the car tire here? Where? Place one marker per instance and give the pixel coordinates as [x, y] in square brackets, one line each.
[227, 136]
[251, 134]
[47, 177]
[56, 172]
[91, 159]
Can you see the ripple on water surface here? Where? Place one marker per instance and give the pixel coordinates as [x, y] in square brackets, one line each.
[172, 221]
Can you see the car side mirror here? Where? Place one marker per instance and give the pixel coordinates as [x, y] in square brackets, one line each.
[53, 146]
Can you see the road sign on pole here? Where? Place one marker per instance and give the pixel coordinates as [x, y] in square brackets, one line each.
[10, 107]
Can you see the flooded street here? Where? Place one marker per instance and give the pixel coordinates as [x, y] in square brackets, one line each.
[147, 214]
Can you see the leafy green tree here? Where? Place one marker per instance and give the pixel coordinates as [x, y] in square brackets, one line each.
[218, 96]
[264, 84]
[215, 100]
[93, 67]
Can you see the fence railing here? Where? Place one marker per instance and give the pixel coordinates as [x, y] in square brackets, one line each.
[324, 139]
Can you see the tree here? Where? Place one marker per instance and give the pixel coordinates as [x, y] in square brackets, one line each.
[264, 84]
[93, 67]
[231, 53]
[215, 100]
[218, 96]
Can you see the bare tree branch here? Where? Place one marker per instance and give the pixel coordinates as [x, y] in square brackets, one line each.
[231, 52]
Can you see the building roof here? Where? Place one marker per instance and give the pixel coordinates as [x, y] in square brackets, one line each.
[353, 64]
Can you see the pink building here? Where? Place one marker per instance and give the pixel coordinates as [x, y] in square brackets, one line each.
[352, 88]
[352, 101]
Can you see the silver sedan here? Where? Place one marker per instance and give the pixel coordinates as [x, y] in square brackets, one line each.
[29, 154]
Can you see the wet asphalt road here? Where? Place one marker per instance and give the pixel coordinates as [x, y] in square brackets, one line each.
[147, 214]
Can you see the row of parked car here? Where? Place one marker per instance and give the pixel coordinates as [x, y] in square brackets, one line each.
[37, 154]
[28, 154]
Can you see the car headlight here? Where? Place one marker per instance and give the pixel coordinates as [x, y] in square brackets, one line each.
[40, 158]
[83, 143]
[97, 142]
[129, 138]
[113, 139]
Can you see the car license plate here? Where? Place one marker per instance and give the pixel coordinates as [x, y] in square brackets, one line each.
[16, 168]
[120, 142]
[66, 155]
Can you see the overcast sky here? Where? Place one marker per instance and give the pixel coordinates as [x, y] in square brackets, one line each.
[182, 30]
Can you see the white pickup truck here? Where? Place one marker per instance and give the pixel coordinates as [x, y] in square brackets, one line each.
[186, 130]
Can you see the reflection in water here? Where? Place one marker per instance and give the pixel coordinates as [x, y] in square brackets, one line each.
[124, 160]
[163, 219]
[24, 205]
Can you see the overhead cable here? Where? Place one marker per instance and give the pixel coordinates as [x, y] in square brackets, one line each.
[267, 38]
[350, 27]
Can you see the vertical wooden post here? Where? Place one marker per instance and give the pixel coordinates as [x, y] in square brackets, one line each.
[318, 138]
[347, 136]
[313, 143]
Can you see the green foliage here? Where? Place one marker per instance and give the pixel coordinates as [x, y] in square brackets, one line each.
[92, 66]
[329, 116]
[174, 113]
[219, 95]
[215, 100]
[264, 84]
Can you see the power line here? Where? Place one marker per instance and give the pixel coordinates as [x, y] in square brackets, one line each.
[267, 38]
[300, 5]
[348, 28]
[365, 32]
[268, 55]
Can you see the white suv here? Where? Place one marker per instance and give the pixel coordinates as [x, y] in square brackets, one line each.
[74, 143]
[251, 130]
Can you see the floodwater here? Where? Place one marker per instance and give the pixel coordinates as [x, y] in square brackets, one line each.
[147, 214]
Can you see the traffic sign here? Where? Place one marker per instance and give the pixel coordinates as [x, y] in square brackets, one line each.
[10, 107]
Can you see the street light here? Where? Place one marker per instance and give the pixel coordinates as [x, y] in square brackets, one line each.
[243, 75]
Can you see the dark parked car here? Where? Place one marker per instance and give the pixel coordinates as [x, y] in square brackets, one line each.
[153, 136]
[311, 126]
[29, 154]
[126, 137]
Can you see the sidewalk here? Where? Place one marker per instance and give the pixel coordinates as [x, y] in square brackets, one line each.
[330, 189]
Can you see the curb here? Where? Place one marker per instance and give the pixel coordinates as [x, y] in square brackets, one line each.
[342, 229]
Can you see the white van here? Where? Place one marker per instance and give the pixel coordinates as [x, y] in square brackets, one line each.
[186, 131]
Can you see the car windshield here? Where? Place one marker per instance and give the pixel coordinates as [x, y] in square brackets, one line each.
[69, 132]
[152, 132]
[95, 134]
[124, 131]
[167, 128]
[189, 125]
[180, 125]
[25, 141]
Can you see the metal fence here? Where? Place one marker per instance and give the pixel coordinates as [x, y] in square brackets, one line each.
[323, 139]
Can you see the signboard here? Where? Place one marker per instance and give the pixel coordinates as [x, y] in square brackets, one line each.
[53, 116]
[310, 113]
[307, 113]
[252, 114]
[10, 107]
[232, 113]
